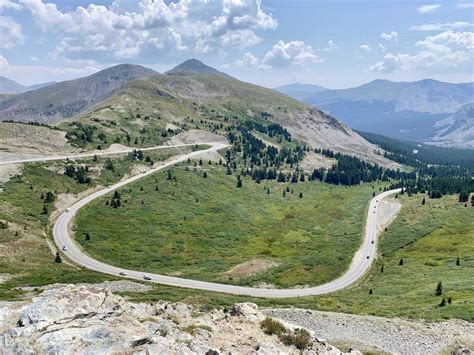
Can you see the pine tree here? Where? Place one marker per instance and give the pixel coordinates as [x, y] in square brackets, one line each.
[450, 300]
[381, 269]
[400, 262]
[45, 209]
[443, 303]
[301, 195]
[458, 262]
[57, 258]
[370, 291]
[204, 175]
[439, 289]
[88, 237]
[239, 181]
[423, 201]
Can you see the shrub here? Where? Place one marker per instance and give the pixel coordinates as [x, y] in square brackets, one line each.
[271, 326]
[300, 339]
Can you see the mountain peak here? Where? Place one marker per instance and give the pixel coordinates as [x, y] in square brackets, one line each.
[194, 65]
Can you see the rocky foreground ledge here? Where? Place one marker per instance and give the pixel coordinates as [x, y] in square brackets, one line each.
[89, 319]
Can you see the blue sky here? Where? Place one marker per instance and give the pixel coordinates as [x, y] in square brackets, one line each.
[335, 43]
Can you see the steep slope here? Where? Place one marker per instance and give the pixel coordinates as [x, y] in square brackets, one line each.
[8, 86]
[457, 130]
[68, 98]
[197, 67]
[300, 91]
[406, 110]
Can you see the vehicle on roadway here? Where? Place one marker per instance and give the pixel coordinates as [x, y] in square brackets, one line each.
[372, 242]
[64, 248]
[121, 273]
[145, 277]
[368, 257]
[68, 209]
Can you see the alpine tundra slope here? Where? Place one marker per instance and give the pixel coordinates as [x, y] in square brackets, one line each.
[360, 264]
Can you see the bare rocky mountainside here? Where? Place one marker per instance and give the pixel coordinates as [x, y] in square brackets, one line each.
[191, 90]
[457, 130]
[401, 110]
[91, 320]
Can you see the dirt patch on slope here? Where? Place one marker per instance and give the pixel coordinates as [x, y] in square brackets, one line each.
[316, 161]
[388, 211]
[7, 171]
[28, 139]
[196, 136]
[251, 267]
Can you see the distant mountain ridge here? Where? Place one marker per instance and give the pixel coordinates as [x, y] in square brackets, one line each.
[402, 110]
[300, 91]
[68, 98]
[8, 86]
[457, 130]
[197, 67]
[426, 95]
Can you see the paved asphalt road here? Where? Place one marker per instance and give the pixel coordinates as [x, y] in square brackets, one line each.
[360, 264]
[88, 155]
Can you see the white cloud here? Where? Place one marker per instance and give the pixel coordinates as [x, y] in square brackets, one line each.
[34, 59]
[365, 48]
[437, 26]
[331, 46]
[447, 49]
[10, 33]
[3, 64]
[391, 36]
[382, 48]
[148, 26]
[285, 53]
[247, 60]
[9, 5]
[425, 9]
[465, 6]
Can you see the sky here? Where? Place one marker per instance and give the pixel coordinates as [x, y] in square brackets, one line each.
[333, 43]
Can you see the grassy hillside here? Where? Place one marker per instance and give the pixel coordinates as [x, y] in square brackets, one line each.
[27, 252]
[201, 227]
[429, 238]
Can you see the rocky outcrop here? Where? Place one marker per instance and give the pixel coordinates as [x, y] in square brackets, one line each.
[91, 320]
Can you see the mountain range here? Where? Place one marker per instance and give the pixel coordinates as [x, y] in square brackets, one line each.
[300, 91]
[8, 86]
[403, 110]
[457, 130]
[190, 90]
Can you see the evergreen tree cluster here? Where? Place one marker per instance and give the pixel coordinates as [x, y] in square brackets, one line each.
[79, 173]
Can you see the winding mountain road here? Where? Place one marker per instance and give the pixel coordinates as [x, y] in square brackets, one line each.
[61, 231]
[90, 155]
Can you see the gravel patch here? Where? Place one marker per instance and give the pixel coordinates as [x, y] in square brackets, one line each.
[112, 286]
[386, 334]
